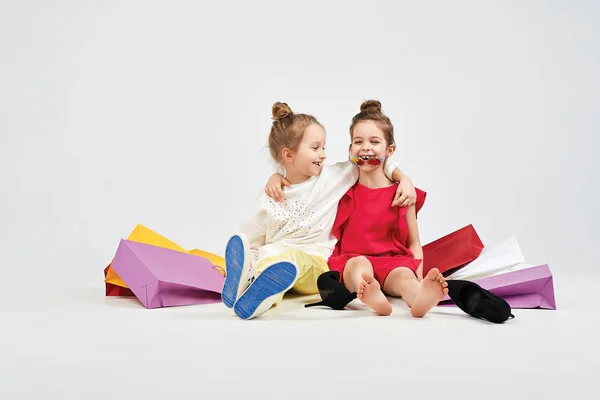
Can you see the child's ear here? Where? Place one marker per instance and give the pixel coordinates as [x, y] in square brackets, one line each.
[286, 155]
[390, 150]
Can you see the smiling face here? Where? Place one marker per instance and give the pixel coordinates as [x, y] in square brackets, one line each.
[369, 140]
[307, 160]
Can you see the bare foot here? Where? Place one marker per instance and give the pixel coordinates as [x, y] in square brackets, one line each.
[433, 288]
[369, 292]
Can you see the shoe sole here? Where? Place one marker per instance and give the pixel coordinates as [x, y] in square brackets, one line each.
[235, 262]
[259, 296]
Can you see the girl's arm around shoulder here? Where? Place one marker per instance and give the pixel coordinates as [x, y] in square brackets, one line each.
[406, 194]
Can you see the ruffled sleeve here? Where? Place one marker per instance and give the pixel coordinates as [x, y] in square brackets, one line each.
[421, 195]
[403, 228]
[345, 209]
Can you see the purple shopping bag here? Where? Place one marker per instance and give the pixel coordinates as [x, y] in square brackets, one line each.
[161, 277]
[526, 288]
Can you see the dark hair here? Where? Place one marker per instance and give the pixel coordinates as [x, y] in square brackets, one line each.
[370, 110]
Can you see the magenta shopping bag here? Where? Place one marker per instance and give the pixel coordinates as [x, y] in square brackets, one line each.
[526, 288]
[161, 277]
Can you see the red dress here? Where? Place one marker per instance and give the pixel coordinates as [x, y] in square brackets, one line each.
[367, 225]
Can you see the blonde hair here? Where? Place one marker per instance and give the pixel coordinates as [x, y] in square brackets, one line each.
[288, 129]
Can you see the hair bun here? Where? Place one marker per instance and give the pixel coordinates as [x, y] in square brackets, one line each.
[281, 110]
[371, 105]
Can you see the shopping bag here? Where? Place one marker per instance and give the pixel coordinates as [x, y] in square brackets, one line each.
[531, 287]
[142, 234]
[503, 257]
[161, 277]
[453, 251]
[114, 290]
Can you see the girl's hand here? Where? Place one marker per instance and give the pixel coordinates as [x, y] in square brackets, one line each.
[274, 187]
[406, 195]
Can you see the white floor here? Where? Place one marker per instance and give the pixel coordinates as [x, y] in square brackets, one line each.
[65, 340]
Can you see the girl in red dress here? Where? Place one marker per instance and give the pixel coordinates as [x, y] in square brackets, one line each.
[378, 251]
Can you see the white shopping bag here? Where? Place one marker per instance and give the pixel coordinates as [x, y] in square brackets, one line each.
[504, 257]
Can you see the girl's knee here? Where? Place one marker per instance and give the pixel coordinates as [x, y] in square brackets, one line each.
[356, 266]
[360, 261]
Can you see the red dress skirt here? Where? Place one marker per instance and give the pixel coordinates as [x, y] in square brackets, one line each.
[367, 225]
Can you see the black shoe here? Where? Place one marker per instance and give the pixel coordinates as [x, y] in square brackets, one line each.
[478, 302]
[333, 293]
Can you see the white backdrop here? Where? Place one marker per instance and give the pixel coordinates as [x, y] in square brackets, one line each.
[119, 112]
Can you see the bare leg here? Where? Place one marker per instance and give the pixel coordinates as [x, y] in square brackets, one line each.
[402, 282]
[358, 277]
[433, 288]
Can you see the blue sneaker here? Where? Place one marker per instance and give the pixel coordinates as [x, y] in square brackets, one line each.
[239, 272]
[262, 293]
